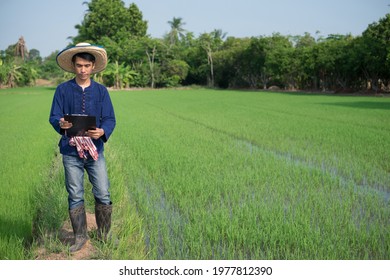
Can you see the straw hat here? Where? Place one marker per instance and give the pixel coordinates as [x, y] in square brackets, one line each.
[64, 58]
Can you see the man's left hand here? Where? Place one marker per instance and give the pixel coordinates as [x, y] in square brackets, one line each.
[95, 134]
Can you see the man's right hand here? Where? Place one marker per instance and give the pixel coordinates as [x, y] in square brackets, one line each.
[65, 124]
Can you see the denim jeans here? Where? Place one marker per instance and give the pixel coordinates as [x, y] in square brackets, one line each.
[74, 179]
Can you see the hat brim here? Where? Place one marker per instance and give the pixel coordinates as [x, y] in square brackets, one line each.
[64, 58]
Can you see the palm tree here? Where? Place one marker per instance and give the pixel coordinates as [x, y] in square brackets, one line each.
[177, 30]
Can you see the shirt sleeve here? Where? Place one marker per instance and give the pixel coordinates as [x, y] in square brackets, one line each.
[108, 120]
[56, 112]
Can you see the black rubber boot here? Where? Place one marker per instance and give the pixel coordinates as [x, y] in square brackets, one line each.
[78, 219]
[103, 221]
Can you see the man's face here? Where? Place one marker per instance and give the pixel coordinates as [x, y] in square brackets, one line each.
[83, 68]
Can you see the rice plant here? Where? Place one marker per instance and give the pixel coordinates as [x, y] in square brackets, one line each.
[253, 175]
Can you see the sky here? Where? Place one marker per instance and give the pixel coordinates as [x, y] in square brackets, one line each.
[46, 25]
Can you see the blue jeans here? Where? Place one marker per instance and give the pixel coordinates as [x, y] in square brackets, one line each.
[74, 179]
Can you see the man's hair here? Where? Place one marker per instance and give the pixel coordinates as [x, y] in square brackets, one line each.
[84, 55]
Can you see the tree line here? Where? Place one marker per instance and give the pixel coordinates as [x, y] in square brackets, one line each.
[341, 63]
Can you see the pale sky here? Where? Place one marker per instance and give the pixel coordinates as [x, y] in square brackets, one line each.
[46, 24]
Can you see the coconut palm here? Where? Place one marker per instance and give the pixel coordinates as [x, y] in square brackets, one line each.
[177, 30]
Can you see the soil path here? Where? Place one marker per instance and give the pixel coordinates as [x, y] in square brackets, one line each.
[66, 237]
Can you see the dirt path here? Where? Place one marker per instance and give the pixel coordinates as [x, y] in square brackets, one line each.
[65, 236]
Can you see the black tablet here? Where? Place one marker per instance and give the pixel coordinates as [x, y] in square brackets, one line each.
[80, 124]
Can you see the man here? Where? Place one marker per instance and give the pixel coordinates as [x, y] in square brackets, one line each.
[84, 96]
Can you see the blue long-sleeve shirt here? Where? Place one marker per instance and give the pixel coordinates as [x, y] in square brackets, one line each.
[69, 98]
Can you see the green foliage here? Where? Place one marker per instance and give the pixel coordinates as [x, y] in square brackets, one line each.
[252, 63]
[232, 64]
[177, 31]
[176, 71]
[375, 50]
[119, 76]
[137, 26]
[110, 18]
[49, 68]
[29, 74]
[211, 43]
[17, 73]
[34, 55]
[338, 63]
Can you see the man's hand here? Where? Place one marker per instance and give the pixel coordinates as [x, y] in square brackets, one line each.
[65, 124]
[95, 134]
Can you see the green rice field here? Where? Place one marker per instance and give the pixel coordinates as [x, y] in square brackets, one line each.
[211, 174]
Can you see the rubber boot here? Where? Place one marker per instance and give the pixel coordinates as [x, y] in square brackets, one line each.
[103, 221]
[78, 219]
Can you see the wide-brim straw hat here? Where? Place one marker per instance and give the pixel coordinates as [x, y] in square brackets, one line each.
[64, 58]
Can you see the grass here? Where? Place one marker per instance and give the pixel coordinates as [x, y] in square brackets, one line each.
[26, 153]
[207, 174]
